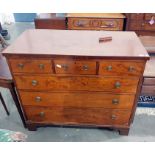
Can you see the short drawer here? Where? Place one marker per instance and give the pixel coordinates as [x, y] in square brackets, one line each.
[63, 115]
[31, 66]
[149, 81]
[148, 90]
[95, 24]
[77, 99]
[120, 68]
[77, 83]
[74, 67]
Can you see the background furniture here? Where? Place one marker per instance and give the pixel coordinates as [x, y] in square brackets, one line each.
[73, 83]
[50, 21]
[141, 23]
[148, 87]
[7, 82]
[95, 21]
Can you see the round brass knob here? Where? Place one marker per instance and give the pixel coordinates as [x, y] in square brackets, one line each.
[117, 85]
[34, 82]
[143, 24]
[20, 65]
[38, 99]
[109, 68]
[85, 67]
[115, 101]
[42, 114]
[113, 117]
[41, 66]
[131, 68]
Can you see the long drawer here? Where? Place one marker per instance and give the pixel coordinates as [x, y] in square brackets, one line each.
[95, 24]
[63, 115]
[77, 99]
[77, 83]
[148, 90]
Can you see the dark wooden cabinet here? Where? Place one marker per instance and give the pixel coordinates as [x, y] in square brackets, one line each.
[141, 23]
[76, 80]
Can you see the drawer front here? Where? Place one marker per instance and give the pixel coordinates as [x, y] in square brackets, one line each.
[148, 90]
[74, 67]
[149, 16]
[77, 99]
[63, 115]
[136, 16]
[95, 24]
[87, 83]
[31, 66]
[136, 25]
[149, 81]
[148, 26]
[120, 68]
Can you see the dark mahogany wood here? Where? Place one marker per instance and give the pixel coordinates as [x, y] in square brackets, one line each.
[50, 21]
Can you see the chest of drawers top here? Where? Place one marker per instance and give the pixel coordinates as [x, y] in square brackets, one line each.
[77, 43]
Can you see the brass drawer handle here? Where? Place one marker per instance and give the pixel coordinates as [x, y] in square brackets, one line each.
[41, 66]
[131, 68]
[42, 114]
[20, 65]
[115, 101]
[34, 82]
[64, 66]
[113, 117]
[85, 67]
[38, 99]
[117, 85]
[109, 68]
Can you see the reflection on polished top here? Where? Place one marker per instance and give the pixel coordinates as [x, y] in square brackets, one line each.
[77, 43]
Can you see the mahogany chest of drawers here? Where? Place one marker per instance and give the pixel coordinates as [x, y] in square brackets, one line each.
[69, 78]
[95, 21]
[141, 23]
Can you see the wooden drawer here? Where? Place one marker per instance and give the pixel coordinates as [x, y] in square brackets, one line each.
[120, 68]
[95, 24]
[148, 16]
[63, 115]
[149, 81]
[137, 16]
[31, 66]
[77, 83]
[148, 26]
[77, 99]
[74, 67]
[148, 90]
[136, 25]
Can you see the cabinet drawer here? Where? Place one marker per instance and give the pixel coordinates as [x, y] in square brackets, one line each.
[95, 24]
[74, 67]
[137, 16]
[77, 99]
[31, 66]
[148, 26]
[149, 81]
[86, 83]
[121, 68]
[63, 115]
[148, 16]
[148, 90]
